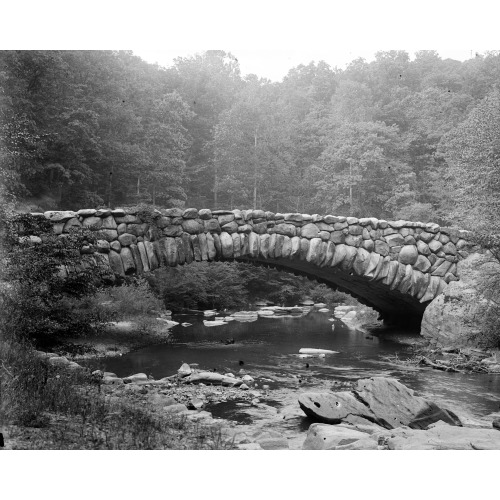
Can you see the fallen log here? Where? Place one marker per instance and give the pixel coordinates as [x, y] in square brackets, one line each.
[445, 368]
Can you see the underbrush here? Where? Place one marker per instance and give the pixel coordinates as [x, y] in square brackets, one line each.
[44, 407]
[131, 299]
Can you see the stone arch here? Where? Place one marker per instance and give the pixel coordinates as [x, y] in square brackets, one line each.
[396, 267]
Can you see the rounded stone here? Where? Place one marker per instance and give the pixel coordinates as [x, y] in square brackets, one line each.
[115, 245]
[126, 239]
[205, 214]
[408, 255]
[192, 226]
[190, 213]
[309, 231]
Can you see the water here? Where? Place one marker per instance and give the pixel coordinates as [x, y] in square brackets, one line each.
[267, 349]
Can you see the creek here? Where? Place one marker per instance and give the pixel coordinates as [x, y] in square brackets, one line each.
[267, 349]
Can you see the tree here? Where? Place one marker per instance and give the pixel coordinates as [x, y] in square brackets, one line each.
[209, 83]
[361, 171]
[472, 153]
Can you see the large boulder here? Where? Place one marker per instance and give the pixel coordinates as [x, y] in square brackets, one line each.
[333, 407]
[326, 437]
[380, 400]
[395, 405]
[444, 437]
[448, 318]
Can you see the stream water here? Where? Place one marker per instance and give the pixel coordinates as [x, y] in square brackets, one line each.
[267, 349]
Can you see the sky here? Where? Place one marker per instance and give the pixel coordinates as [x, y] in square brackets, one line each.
[274, 64]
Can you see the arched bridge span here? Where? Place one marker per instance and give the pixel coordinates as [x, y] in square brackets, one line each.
[396, 267]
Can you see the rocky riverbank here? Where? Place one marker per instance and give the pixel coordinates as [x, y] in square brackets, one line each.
[381, 413]
[451, 359]
[378, 413]
[116, 338]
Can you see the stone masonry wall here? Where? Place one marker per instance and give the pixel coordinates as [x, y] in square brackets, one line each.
[414, 258]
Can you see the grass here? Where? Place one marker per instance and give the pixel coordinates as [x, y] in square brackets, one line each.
[44, 407]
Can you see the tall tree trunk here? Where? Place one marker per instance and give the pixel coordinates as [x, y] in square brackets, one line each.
[215, 187]
[110, 188]
[350, 188]
[255, 173]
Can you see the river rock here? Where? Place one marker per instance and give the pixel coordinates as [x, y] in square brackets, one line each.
[327, 437]
[58, 361]
[273, 443]
[380, 400]
[175, 409]
[447, 319]
[444, 437]
[184, 370]
[137, 377]
[395, 405]
[212, 378]
[109, 380]
[333, 407]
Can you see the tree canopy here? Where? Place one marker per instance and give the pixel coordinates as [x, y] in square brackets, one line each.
[403, 136]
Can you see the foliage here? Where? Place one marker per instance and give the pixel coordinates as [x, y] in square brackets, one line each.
[231, 285]
[130, 299]
[201, 285]
[88, 128]
[46, 275]
[472, 152]
[488, 313]
[45, 407]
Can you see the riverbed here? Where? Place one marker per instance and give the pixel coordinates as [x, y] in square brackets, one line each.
[268, 350]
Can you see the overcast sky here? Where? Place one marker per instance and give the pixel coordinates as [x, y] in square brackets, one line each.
[268, 37]
[274, 64]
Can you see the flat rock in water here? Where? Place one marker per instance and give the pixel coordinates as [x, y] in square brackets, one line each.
[212, 378]
[326, 437]
[265, 313]
[214, 323]
[168, 322]
[307, 350]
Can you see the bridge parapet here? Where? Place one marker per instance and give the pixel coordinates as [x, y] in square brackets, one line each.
[408, 262]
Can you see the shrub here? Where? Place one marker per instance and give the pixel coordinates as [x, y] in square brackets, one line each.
[45, 276]
[131, 298]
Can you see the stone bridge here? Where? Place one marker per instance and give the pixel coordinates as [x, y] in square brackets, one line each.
[396, 267]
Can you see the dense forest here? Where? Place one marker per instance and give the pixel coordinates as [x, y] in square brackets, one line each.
[408, 136]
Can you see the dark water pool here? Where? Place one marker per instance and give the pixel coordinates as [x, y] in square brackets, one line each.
[268, 348]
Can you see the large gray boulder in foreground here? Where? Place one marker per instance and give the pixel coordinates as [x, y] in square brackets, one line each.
[380, 400]
[444, 437]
